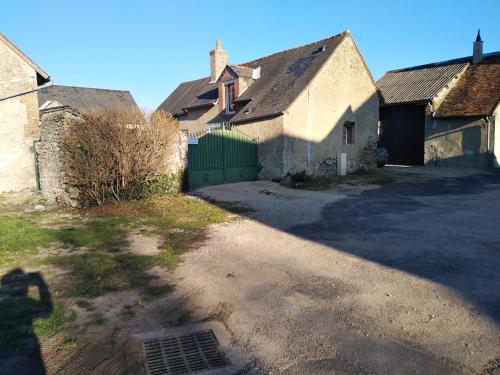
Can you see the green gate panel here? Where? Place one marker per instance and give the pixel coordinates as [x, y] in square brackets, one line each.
[222, 156]
[240, 174]
[206, 177]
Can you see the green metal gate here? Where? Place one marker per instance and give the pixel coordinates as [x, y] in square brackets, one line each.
[220, 156]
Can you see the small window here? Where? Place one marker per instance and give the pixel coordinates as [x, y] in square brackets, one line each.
[230, 97]
[348, 135]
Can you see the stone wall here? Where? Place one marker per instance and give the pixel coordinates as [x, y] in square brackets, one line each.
[456, 142]
[18, 122]
[53, 127]
[54, 184]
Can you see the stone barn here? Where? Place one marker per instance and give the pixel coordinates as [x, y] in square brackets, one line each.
[304, 106]
[444, 113]
[20, 78]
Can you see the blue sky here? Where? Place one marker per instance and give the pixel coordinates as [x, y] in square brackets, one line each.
[148, 47]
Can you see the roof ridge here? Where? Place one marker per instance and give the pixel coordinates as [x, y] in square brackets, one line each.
[342, 33]
[91, 88]
[456, 61]
[345, 32]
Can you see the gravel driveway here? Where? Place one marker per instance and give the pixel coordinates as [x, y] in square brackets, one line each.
[399, 279]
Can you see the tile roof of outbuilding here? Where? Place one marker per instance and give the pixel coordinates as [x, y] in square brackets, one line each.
[284, 75]
[85, 98]
[476, 93]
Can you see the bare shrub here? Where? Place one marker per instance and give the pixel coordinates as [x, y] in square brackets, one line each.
[115, 154]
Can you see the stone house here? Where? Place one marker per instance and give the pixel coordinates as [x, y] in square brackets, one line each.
[60, 106]
[20, 78]
[444, 113]
[304, 105]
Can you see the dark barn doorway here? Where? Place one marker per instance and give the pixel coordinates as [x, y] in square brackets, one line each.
[402, 133]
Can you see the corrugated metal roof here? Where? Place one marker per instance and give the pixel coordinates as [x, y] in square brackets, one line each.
[417, 84]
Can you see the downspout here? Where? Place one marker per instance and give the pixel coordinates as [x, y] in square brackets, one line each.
[10, 96]
[308, 133]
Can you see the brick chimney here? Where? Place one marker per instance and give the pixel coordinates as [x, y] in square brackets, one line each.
[477, 49]
[218, 61]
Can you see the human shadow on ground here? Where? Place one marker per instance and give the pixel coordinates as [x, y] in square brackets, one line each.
[24, 297]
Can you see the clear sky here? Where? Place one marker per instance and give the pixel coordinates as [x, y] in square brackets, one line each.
[149, 47]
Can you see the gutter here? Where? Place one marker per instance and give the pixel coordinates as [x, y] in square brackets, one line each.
[274, 114]
[10, 96]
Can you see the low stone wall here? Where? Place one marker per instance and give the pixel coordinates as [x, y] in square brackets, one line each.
[53, 126]
[53, 179]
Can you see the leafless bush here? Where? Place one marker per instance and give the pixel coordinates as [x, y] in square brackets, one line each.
[114, 154]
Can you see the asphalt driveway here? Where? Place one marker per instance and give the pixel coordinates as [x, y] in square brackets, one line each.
[395, 279]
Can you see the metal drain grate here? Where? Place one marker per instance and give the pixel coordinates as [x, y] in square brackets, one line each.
[184, 354]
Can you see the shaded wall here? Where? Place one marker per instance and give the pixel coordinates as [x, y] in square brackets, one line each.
[269, 136]
[196, 120]
[456, 142]
[18, 122]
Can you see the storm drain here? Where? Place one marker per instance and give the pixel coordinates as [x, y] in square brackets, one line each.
[185, 354]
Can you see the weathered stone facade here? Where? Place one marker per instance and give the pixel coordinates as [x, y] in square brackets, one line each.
[18, 122]
[457, 142]
[54, 184]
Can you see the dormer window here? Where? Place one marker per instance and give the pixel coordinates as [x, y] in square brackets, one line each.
[230, 96]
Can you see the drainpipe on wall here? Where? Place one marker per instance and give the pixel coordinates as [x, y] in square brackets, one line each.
[10, 96]
[308, 132]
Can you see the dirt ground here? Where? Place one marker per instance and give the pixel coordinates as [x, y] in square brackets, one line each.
[399, 279]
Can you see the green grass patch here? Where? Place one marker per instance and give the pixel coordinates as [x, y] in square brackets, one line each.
[101, 234]
[178, 220]
[97, 319]
[21, 237]
[84, 305]
[54, 321]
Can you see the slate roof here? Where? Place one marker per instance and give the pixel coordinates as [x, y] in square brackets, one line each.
[42, 75]
[284, 75]
[476, 93]
[192, 94]
[85, 98]
[417, 84]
